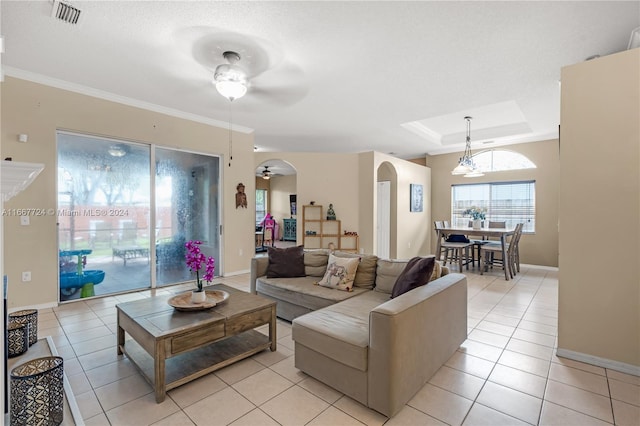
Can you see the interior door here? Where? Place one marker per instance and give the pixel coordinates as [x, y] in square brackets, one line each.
[383, 226]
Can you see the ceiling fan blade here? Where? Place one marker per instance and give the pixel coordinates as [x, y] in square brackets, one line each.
[283, 96]
[207, 45]
[284, 85]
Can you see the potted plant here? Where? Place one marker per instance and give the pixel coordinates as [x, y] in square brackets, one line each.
[477, 214]
[195, 260]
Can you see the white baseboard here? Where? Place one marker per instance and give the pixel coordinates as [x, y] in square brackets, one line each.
[232, 274]
[600, 362]
[546, 268]
[40, 306]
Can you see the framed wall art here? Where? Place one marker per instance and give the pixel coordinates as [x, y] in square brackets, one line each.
[416, 197]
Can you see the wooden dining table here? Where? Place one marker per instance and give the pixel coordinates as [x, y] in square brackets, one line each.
[501, 233]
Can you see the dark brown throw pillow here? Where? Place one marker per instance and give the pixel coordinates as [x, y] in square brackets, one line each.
[285, 262]
[415, 274]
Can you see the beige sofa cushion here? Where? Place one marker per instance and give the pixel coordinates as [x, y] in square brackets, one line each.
[387, 273]
[303, 291]
[366, 273]
[389, 270]
[315, 262]
[340, 331]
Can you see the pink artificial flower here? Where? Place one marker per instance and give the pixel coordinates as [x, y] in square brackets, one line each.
[195, 259]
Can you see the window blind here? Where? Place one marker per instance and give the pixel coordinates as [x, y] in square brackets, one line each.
[511, 202]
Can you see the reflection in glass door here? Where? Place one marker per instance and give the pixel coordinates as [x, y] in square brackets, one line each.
[103, 216]
[187, 208]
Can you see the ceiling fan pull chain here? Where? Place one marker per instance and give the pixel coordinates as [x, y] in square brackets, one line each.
[230, 135]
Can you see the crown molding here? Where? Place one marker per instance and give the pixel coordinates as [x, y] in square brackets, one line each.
[108, 96]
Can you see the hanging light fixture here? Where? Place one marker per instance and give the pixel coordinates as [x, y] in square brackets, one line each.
[231, 82]
[466, 166]
[117, 150]
[230, 79]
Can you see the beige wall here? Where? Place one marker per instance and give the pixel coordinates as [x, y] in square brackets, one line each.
[39, 111]
[599, 291]
[324, 178]
[348, 181]
[540, 248]
[412, 230]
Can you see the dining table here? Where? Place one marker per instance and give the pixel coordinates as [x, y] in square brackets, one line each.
[500, 233]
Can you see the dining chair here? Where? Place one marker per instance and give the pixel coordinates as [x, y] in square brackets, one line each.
[496, 224]
[491, 249]
[453, 251]
[516, 249]
[476, 251]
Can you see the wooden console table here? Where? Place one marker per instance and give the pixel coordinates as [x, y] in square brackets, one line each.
[172, 348]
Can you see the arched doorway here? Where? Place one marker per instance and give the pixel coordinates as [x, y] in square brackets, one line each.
[275, 196]
[386, 211]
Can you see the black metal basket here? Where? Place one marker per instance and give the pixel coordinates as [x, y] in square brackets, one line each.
[37, 392]
[17, 339]
[27, 316]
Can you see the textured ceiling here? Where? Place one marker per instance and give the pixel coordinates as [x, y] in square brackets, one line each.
[328, 76]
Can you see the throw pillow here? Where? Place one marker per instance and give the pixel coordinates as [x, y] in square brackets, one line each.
[415, 274]
[366, 272]
[437, 271]
[340, 273]
[457, 238]
[285, 262]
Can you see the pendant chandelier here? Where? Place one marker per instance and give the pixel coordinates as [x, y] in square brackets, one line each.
[466, 166]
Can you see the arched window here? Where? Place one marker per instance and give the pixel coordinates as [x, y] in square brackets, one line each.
[496, 160]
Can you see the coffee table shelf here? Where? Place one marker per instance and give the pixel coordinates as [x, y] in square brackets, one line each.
[189, 366]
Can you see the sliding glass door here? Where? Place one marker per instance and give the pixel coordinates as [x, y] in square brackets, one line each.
[106, 228]
[187, 208]
[103, 216]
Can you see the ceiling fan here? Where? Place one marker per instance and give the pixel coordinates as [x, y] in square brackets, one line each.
[266, 173]
[253, 67]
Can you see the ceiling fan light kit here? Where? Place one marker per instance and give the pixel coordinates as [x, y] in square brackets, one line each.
[230, 79]
[466, 166]
[266, 173]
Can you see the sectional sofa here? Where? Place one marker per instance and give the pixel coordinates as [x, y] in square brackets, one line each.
[377, 350]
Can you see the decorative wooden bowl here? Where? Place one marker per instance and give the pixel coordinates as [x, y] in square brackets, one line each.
[182, 302]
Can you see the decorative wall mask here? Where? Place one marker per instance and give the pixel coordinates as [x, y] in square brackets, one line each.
[241, 197]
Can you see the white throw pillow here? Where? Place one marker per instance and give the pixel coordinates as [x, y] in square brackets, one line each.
[340, 273]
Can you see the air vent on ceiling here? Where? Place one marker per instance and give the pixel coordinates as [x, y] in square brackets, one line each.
[65, 12]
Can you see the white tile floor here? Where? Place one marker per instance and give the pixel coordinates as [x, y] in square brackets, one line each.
[506, 373]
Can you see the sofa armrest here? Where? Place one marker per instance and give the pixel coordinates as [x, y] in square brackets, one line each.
[259, 266]
[411, 337]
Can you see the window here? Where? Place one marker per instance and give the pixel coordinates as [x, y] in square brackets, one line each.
[496, 160]
[512, 202]
[261, 205]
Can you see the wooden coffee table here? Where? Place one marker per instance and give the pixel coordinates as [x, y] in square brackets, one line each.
[172, 347]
